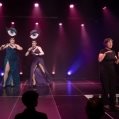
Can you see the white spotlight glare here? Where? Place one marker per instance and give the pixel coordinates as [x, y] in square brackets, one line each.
[82, 25]
[104, 8]
[21, 73]
[69, 73]
[0, 4]
[12, 23]
[36, 23]
[60, 24]
[36, 5]
[71, 6]
[53, 72]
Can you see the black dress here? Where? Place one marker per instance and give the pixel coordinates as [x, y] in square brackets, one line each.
[40, 77]
[108, 77]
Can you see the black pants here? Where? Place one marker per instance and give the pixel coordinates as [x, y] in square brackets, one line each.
[108, 80]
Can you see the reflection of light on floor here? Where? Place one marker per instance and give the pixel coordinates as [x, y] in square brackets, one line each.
[90, 96]
[69, 86]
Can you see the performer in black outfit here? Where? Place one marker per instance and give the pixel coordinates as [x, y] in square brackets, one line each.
[107, 59]
[39, 74]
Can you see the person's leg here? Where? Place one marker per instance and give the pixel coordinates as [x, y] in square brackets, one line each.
[32, 74]
[112, 91]
[6, 73]
[105, 88]
[15, 72]
[42, 68]
[16, 77]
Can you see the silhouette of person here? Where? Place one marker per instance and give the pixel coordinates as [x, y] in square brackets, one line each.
[95, 108]
[30, 100]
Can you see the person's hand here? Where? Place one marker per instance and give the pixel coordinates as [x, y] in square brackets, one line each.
[117, 61]
[5, 46]
[110, 51]
[29, 49]
[2, 46]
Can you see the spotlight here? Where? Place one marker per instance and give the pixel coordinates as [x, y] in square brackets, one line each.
[0, 4]
[60, 24]
[69, 73]
[71, 6]
[36, 23]
[82, 25]
[12, 23]
[2, 73]
[104, 8]
[21, 73]
[53, 72]
[36, 5]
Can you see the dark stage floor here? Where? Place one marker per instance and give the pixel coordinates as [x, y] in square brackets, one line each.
[64, 100]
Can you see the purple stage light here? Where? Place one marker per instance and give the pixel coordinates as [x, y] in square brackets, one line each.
[2, 73]
[69, 73]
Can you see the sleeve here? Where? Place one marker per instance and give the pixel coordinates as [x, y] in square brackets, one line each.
[102, 51]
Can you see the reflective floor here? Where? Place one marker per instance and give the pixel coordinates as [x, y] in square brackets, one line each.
[62, 100]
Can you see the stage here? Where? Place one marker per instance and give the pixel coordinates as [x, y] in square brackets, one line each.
[63, 100]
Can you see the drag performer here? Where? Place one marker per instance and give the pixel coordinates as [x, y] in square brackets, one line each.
[11, 61]
[39, 74]
[107, 59]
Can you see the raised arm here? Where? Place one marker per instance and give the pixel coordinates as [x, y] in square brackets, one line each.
[41, 51]
[28, 51]
[101, 56]
[18, 47]
[4, 46]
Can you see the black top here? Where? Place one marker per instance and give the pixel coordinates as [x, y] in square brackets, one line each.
[31, 114]
[110, 57]
[107, 66]
[35, 52]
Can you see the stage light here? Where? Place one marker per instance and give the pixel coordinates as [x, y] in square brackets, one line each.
[0, 4]
[104, 8]
[12, 23]
[37, 23]
[2, 73]
[69, 73]
[71, 6]
[36, 5]
[60, 24]
[21, 73]
[53, 72]
[82, 25]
